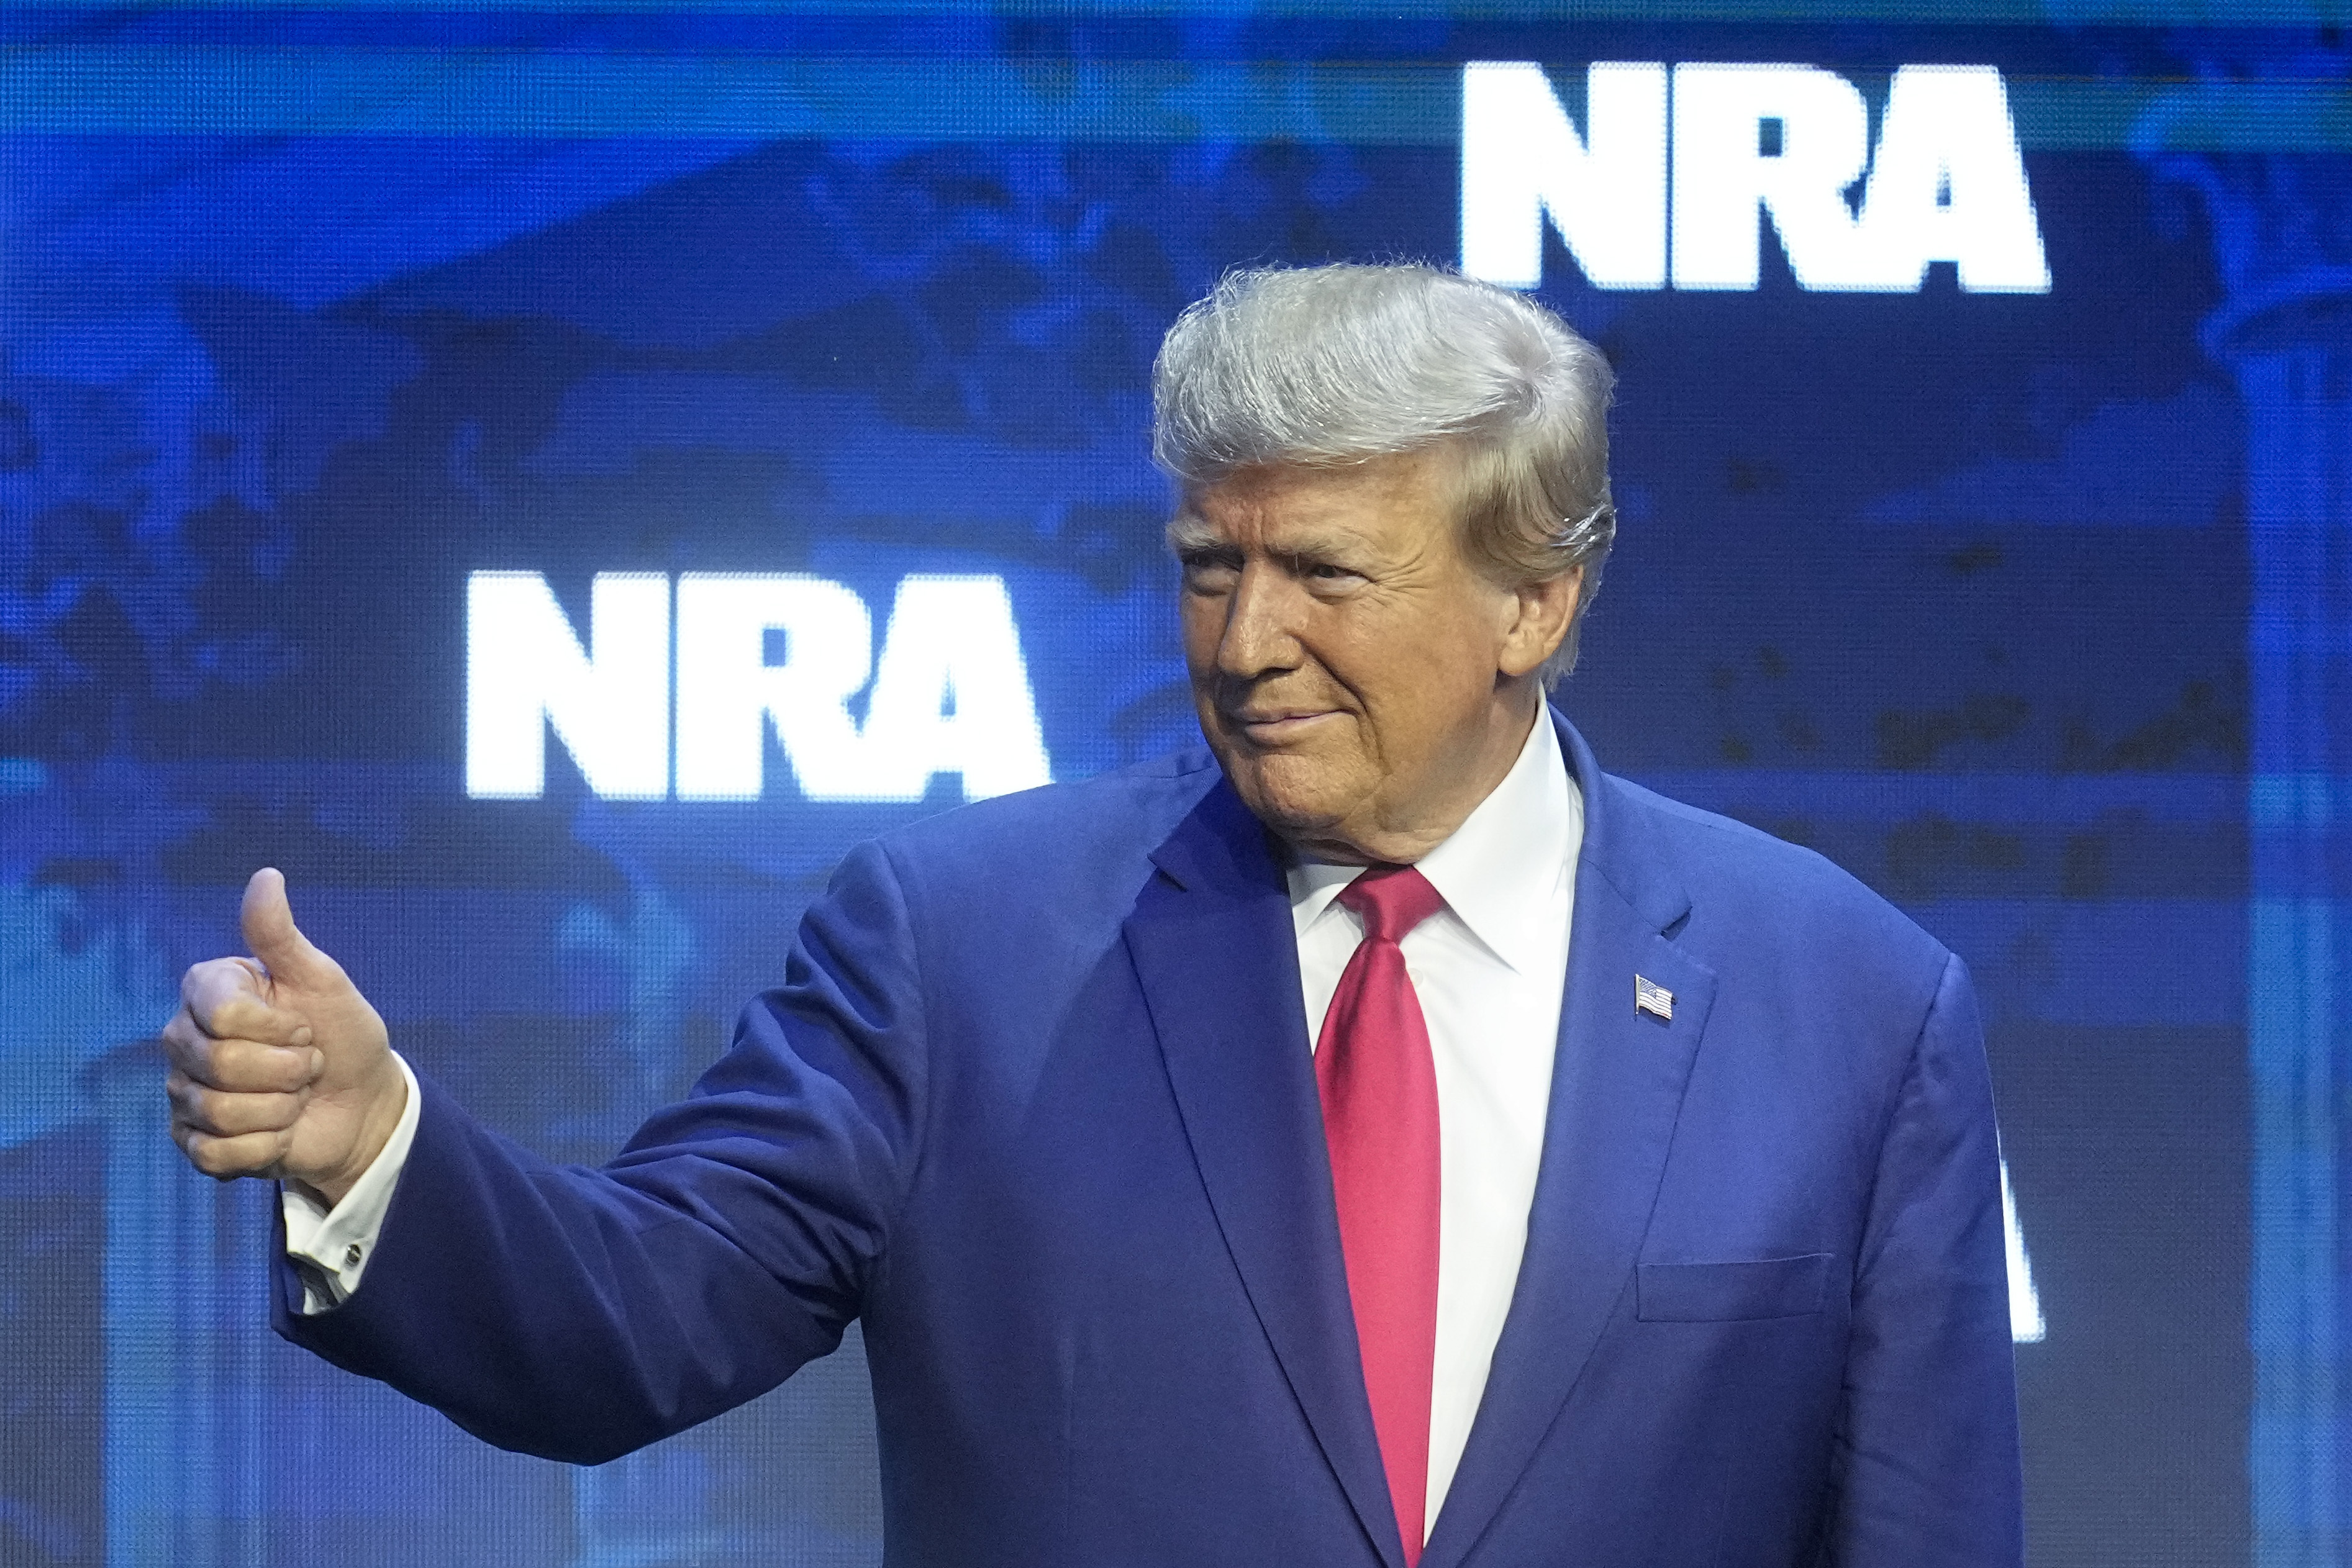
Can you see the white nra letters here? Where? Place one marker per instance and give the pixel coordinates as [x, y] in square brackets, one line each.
[950, 692]
[1638, 207]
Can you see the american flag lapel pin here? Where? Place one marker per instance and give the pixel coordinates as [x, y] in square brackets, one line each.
[1649, 996]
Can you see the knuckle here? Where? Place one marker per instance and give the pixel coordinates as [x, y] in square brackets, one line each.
[223, 1159]
[225, 1064]
[183, 1043]
[208, 982]
[195, 1114]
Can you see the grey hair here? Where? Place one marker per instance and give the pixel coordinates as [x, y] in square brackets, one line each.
[1328, 365]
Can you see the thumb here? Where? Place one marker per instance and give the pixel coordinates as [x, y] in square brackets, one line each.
[270, 933]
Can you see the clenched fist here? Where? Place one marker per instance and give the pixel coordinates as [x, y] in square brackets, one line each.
[280, 1067]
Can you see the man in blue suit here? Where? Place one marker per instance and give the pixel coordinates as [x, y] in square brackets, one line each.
[1380, 1138]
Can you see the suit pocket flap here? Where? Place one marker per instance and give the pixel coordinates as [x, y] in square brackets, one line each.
[1730, 1292]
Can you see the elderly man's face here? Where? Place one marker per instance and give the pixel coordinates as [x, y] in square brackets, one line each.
[1362, 683]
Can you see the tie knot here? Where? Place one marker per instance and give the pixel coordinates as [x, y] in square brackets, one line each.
[1392, 900]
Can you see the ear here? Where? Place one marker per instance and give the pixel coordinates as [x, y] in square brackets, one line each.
[1542, 613]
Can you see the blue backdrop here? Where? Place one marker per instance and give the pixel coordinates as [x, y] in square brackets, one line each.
[2025, 596]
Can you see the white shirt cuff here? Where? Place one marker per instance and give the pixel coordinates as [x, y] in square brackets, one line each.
[330, 1247]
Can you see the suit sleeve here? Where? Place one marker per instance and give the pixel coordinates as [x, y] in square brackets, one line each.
[580, 1313]
[1927, 1467]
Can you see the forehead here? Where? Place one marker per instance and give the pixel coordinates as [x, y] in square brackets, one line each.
[1388, 501]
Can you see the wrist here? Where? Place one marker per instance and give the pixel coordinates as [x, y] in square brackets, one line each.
[377, 1126]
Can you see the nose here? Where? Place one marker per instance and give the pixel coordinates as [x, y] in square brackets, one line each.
[1258, 639]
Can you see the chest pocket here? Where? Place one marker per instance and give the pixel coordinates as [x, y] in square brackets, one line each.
[1731, 1293]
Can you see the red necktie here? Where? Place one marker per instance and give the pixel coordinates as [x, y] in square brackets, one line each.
[1378, 1088]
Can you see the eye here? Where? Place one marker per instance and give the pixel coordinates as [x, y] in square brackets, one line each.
[1329, 574]
[1208, 571]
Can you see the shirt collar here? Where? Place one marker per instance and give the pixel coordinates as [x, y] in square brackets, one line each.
[1501, 867]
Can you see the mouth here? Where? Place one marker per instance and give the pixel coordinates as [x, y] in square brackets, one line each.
[1279, 727]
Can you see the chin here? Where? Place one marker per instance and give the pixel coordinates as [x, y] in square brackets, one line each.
[1290, 794]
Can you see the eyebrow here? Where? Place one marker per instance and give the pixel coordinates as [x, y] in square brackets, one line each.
[1338, 550]
[1189, 534]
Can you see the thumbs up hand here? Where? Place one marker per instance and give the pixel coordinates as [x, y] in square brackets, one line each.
[280, 1067]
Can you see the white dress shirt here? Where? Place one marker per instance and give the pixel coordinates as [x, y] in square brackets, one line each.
[330, 1247]
[1488, 969]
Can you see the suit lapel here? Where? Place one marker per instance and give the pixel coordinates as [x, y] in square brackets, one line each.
[1617, 1088]
[1214, 946]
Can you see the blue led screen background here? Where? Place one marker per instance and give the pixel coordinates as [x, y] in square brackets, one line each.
[2029, 607]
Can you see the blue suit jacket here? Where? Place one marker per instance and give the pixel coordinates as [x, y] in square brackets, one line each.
[1034, 1101]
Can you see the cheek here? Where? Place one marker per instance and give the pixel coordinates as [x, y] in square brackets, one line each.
[1423, 658]
[1196, 628]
